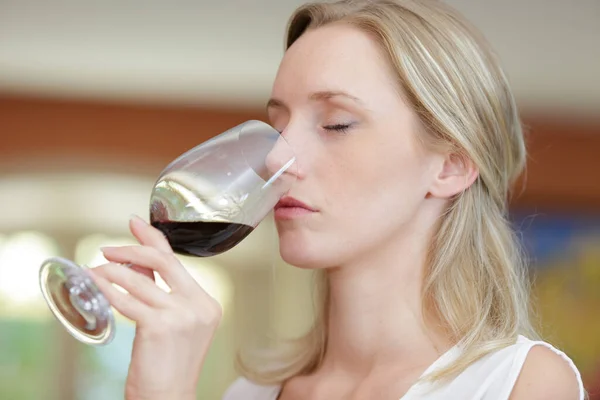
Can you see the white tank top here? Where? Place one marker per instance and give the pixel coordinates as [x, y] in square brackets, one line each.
[490, 378]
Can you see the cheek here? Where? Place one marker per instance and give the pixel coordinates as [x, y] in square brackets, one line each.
[378, 187]
[373, 175]
[364, 198]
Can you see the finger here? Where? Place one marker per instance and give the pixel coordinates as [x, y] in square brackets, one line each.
[168, 267]
[148, 235]
[144, 271]
[138, 285]
[126, 304]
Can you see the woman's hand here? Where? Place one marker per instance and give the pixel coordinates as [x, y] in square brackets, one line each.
[173, 330]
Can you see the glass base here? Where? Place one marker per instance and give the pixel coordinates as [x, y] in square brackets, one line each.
[76, 301]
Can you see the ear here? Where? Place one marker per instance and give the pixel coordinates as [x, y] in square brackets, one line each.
[457, 174]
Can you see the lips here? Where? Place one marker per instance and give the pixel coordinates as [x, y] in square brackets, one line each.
[289, 208]
[290, 202]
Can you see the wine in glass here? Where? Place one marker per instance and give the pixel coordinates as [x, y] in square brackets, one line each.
[205, 202]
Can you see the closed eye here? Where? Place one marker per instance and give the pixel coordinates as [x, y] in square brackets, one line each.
[343, 128]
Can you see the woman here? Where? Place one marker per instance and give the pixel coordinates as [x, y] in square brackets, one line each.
[407, 139]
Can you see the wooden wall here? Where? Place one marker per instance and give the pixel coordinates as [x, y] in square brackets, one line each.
[563, 168]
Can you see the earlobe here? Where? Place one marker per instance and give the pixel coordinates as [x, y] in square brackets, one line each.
[457, 174]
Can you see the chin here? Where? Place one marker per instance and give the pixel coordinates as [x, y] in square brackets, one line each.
[297, 250]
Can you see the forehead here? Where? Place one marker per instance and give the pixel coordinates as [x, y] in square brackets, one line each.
[334, 57]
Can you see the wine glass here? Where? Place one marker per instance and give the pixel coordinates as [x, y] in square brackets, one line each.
[205, 202]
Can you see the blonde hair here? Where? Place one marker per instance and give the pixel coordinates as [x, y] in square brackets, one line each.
[476, 282]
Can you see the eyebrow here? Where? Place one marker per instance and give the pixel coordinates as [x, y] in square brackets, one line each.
[318, 96]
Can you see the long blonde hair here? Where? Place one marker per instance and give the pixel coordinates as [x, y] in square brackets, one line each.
[476, 283]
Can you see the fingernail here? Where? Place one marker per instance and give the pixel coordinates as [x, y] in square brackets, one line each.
[137, 219]
[104, 248]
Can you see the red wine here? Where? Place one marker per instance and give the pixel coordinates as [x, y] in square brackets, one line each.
[201, 238]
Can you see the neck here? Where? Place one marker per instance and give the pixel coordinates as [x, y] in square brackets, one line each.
[375, 314]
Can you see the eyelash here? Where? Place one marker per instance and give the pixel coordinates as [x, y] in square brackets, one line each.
[342, 128]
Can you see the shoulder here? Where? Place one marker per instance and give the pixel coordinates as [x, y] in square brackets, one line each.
[547, 373]
[244, 389]
[526, 369]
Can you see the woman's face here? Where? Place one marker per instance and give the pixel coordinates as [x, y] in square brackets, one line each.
[361, 169]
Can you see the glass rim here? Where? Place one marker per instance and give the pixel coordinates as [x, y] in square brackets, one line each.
[239, 129]
[288, 163]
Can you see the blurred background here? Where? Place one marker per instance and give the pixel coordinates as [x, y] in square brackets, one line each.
[96, 97]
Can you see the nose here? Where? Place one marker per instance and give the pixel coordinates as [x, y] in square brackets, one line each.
[281, 161]
[296, 139]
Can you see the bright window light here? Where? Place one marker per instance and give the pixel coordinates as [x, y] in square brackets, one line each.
[21, 256]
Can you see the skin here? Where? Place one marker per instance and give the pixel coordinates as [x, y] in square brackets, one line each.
[377, 196]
